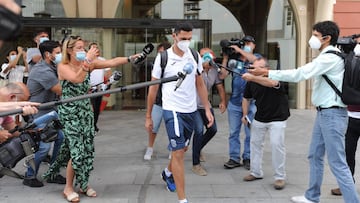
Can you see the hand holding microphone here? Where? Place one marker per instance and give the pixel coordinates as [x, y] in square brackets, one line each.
[208, 57]
[146, 51]
[188, 68]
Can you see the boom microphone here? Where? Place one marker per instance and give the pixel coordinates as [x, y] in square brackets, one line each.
[188, 68]
[146, 51]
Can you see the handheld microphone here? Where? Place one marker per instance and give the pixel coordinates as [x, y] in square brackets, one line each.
[188, 68]
[208, 57]
[146, 51]
[232, 63]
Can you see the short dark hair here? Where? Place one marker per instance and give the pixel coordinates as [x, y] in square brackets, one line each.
[183, 26]
[166, 45]
[92, 43]
[328, 28]
[48, 46]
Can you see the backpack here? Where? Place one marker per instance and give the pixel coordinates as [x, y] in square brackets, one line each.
[350, 94]
[163, 62]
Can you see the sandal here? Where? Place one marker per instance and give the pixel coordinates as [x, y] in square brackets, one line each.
[89, 192]
[72, 197]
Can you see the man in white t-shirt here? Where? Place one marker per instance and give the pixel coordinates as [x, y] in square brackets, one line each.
[11, 70]
[98, 77]
[179, 104]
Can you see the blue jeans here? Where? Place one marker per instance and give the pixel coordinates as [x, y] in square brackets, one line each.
[200, 138]
[44, 148]
[235, 114]
[329, 136]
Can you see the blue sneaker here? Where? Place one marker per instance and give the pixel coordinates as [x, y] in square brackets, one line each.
[170, 183]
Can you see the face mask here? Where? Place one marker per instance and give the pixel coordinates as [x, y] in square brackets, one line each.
[314, 42]
[357, 50]
[247, 49]
[183, 45]
[80, 55]
[13, 57]
[10, 24]
[58, 58]
[43, 39]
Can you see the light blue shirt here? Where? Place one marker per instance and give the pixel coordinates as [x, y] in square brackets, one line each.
[326, 63]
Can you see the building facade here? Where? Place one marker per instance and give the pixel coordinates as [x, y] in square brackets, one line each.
[122, 27]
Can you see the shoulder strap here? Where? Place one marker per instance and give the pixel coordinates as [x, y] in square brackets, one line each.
[196, 57]
[9, 172]
[332, 85]
[163, 61]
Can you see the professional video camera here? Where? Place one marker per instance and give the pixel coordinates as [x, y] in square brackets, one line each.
[347, 43]
[226, 49]
[27, 143]
[114, 78]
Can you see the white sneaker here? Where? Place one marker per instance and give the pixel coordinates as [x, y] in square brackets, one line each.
[300, 199]
[148, 154]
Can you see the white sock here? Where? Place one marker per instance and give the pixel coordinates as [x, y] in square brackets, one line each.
[150, 149]
[183, 201]
[167, 172]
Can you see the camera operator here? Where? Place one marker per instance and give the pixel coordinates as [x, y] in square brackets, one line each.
[353, 129]
[13, 92]
[235, 112]
[44, 87]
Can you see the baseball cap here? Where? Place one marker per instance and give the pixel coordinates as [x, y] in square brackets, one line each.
[248, 38]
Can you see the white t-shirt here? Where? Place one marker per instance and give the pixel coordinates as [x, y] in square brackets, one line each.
[97, 75]
[16, 74]
[182, 100]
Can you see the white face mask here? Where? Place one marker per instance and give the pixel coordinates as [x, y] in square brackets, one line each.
[314, 42]
[12, 57]
[183, 45]
[357, 50]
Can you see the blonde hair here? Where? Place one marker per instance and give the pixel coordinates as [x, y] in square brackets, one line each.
[69, 43]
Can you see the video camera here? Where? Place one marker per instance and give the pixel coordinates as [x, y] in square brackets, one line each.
[347, 43]
[226, 49]
[27, 143]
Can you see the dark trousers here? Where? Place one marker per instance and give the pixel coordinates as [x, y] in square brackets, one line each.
[96, 103]
[351, 140]
[200, 139]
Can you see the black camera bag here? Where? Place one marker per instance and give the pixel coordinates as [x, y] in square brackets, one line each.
[11, 151]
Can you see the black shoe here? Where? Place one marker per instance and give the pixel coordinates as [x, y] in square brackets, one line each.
[58, 179]
[231, 164]
[246, 163]
[47, 159]
[33, 182]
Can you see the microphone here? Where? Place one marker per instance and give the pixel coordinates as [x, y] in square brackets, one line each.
[188, 68]
[208, 57]
[232, 63]
[146, 51]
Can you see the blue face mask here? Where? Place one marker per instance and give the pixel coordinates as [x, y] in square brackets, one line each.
[43, 39]
[247, 49]
[58, 58]
[80, 55]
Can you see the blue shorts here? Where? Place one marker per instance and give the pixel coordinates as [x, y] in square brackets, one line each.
[156, 115]
[179, 127]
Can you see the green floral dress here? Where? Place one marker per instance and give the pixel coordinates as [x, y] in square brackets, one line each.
[77, 118]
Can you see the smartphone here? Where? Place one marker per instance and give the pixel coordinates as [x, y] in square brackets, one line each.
[248, 121]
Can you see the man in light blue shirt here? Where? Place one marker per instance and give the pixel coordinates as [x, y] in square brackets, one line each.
[331, 119]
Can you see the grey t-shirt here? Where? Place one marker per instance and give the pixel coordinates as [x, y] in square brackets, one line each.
[210, 78]
[41, 79]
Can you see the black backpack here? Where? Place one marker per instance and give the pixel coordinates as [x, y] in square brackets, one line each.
[163, 62]
[350, 94]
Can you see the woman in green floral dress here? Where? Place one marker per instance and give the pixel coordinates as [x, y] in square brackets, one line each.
[77, 151]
